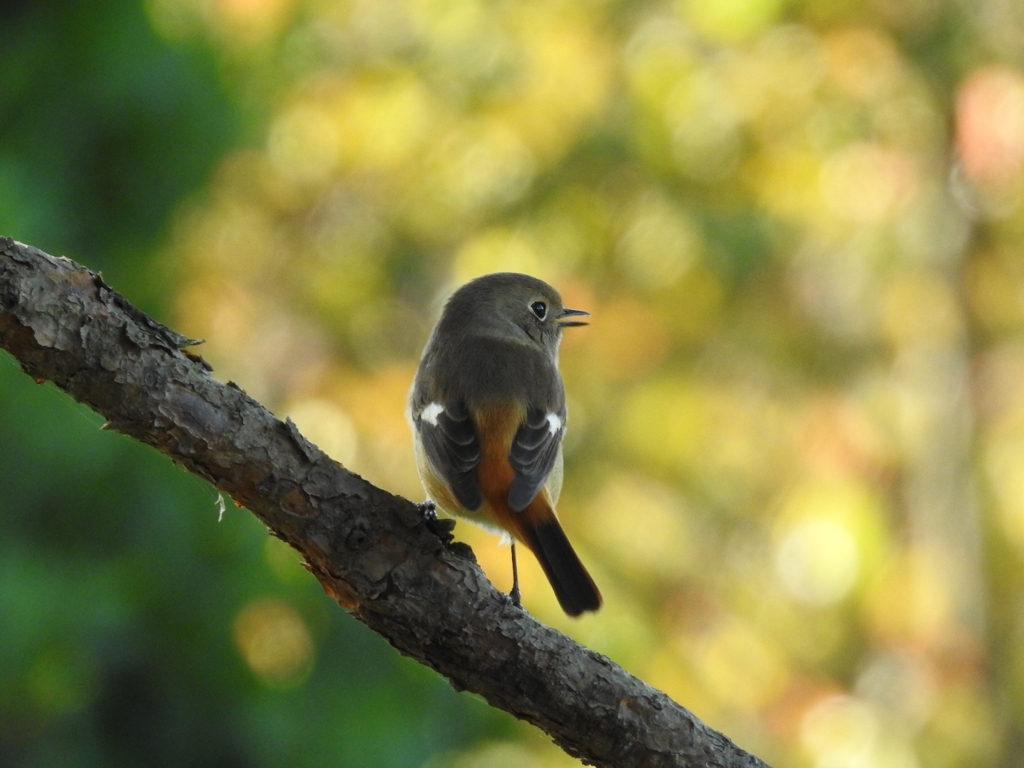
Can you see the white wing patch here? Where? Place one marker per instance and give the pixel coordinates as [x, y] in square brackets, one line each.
[430, 413]
[554, 423]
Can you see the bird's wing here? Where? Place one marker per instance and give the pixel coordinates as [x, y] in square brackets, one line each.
[533, 454]
[451, 445]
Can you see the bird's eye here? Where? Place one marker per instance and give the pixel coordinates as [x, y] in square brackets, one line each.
[540, 309]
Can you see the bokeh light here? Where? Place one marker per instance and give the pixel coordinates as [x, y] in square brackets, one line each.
[274, 641]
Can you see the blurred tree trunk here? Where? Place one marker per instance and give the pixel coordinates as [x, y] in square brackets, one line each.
[932, 357]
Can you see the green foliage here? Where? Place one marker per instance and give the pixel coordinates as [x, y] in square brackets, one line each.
[104, 128]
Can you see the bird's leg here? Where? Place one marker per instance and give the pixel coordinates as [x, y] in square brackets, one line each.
[515, 595]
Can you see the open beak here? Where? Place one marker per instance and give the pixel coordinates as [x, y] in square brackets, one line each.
[564, 322]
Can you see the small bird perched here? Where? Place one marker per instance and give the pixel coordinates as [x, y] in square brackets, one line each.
[487, 409]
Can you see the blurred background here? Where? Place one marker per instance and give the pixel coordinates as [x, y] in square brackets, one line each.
[795, 462]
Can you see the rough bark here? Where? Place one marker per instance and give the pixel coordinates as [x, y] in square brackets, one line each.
[373, 552]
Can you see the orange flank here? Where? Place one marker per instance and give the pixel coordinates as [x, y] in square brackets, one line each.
[497, 427]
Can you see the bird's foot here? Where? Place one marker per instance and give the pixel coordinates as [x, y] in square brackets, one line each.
[440, 527]
[512, 600]
[428, 509]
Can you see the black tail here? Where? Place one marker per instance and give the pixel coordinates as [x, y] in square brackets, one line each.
[575, 590]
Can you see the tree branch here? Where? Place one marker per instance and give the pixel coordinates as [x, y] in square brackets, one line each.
[373, 552]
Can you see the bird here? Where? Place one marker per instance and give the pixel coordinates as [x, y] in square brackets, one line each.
[488, 414]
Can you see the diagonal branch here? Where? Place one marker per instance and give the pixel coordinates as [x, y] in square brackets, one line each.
[372, 551]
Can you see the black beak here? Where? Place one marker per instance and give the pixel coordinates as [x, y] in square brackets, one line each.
[565, 313]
